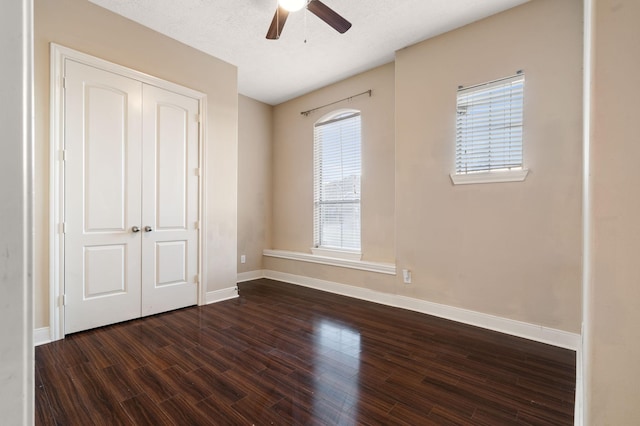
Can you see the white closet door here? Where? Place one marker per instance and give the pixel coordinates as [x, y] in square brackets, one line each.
[102, 178]
[170, 201]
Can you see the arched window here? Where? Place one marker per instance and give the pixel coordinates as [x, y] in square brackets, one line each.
[337, 171]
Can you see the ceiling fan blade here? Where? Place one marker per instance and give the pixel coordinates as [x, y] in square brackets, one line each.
[327, 14]
[280, 17]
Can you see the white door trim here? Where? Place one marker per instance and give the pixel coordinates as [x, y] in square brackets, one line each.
[56, 184]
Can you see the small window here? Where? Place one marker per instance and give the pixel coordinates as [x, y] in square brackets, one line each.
[337, 172]
[489, 132]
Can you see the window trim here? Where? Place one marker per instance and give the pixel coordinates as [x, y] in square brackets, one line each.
[362, 265]
[516, 175]
[337, 253]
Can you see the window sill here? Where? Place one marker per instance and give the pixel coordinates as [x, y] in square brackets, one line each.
[490, 177]
[381, 268]
[336, 253]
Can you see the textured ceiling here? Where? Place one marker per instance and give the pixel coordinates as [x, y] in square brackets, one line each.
[274, 71]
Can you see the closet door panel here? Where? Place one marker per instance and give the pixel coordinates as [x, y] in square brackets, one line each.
[102, 178]
[170, 201]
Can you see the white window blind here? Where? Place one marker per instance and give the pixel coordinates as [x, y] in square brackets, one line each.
[337, 172]
[489, 126]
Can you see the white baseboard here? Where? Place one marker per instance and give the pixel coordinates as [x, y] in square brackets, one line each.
[529, 331]
[251, 275]
[221, 295]
[41, 336]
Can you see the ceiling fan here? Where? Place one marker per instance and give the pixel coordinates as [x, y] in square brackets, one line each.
[316, 7]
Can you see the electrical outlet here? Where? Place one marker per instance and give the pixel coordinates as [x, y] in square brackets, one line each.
[243, 259]
[406, 276]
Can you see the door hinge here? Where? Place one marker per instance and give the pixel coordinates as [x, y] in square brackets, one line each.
[199, 118]
[63, 155]
[64, 82]
[196, 279]
[197, 171]
[196, 225]
[63, 300]
[63, 228]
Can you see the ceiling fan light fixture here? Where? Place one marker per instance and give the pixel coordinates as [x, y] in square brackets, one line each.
[292, 5]
[317, 7]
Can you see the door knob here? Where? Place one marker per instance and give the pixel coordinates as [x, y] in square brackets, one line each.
[135, 229]
[148, 228]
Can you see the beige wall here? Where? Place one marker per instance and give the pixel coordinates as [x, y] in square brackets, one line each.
[255, 122]
[614, 301]
[508, 249]
[292, 225]
[83, 26]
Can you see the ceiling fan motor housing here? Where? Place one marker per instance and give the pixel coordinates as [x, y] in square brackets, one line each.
[316, 7]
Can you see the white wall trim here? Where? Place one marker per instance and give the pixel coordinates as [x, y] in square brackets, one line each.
[87, 59]
[250, 276]
[41, 336]
[222, 295]
[202, 211]
[489, 177]
[362, 265]
[56, 201]
[337, 254]
[583, 356]
[17, 213]
[529, 331]
[578, 418]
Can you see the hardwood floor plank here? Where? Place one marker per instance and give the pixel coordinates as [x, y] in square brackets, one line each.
[294, 411]
[287, 355]
[183, 412]
[223, 388]
[285, 384]
[365, 412]
[259, 411]
[69, 353]
[192, 385]
[153, 383]
[163, 358]
[44, 414]
[250, 385]
[143, 411]
[120, 382]
[409, 415]
[540, 417]
[236, 357]
[291, 360]
[174, 333]
[61, 393]
[446, 417]
[483, 417]
[484, 396]
[95, 398]
[93, 349]
[221, 414]
[119, 349]
[216, 361]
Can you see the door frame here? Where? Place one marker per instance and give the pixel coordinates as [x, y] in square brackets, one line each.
[58, 55]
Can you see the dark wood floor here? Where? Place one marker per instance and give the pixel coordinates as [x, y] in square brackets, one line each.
[282, 354]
